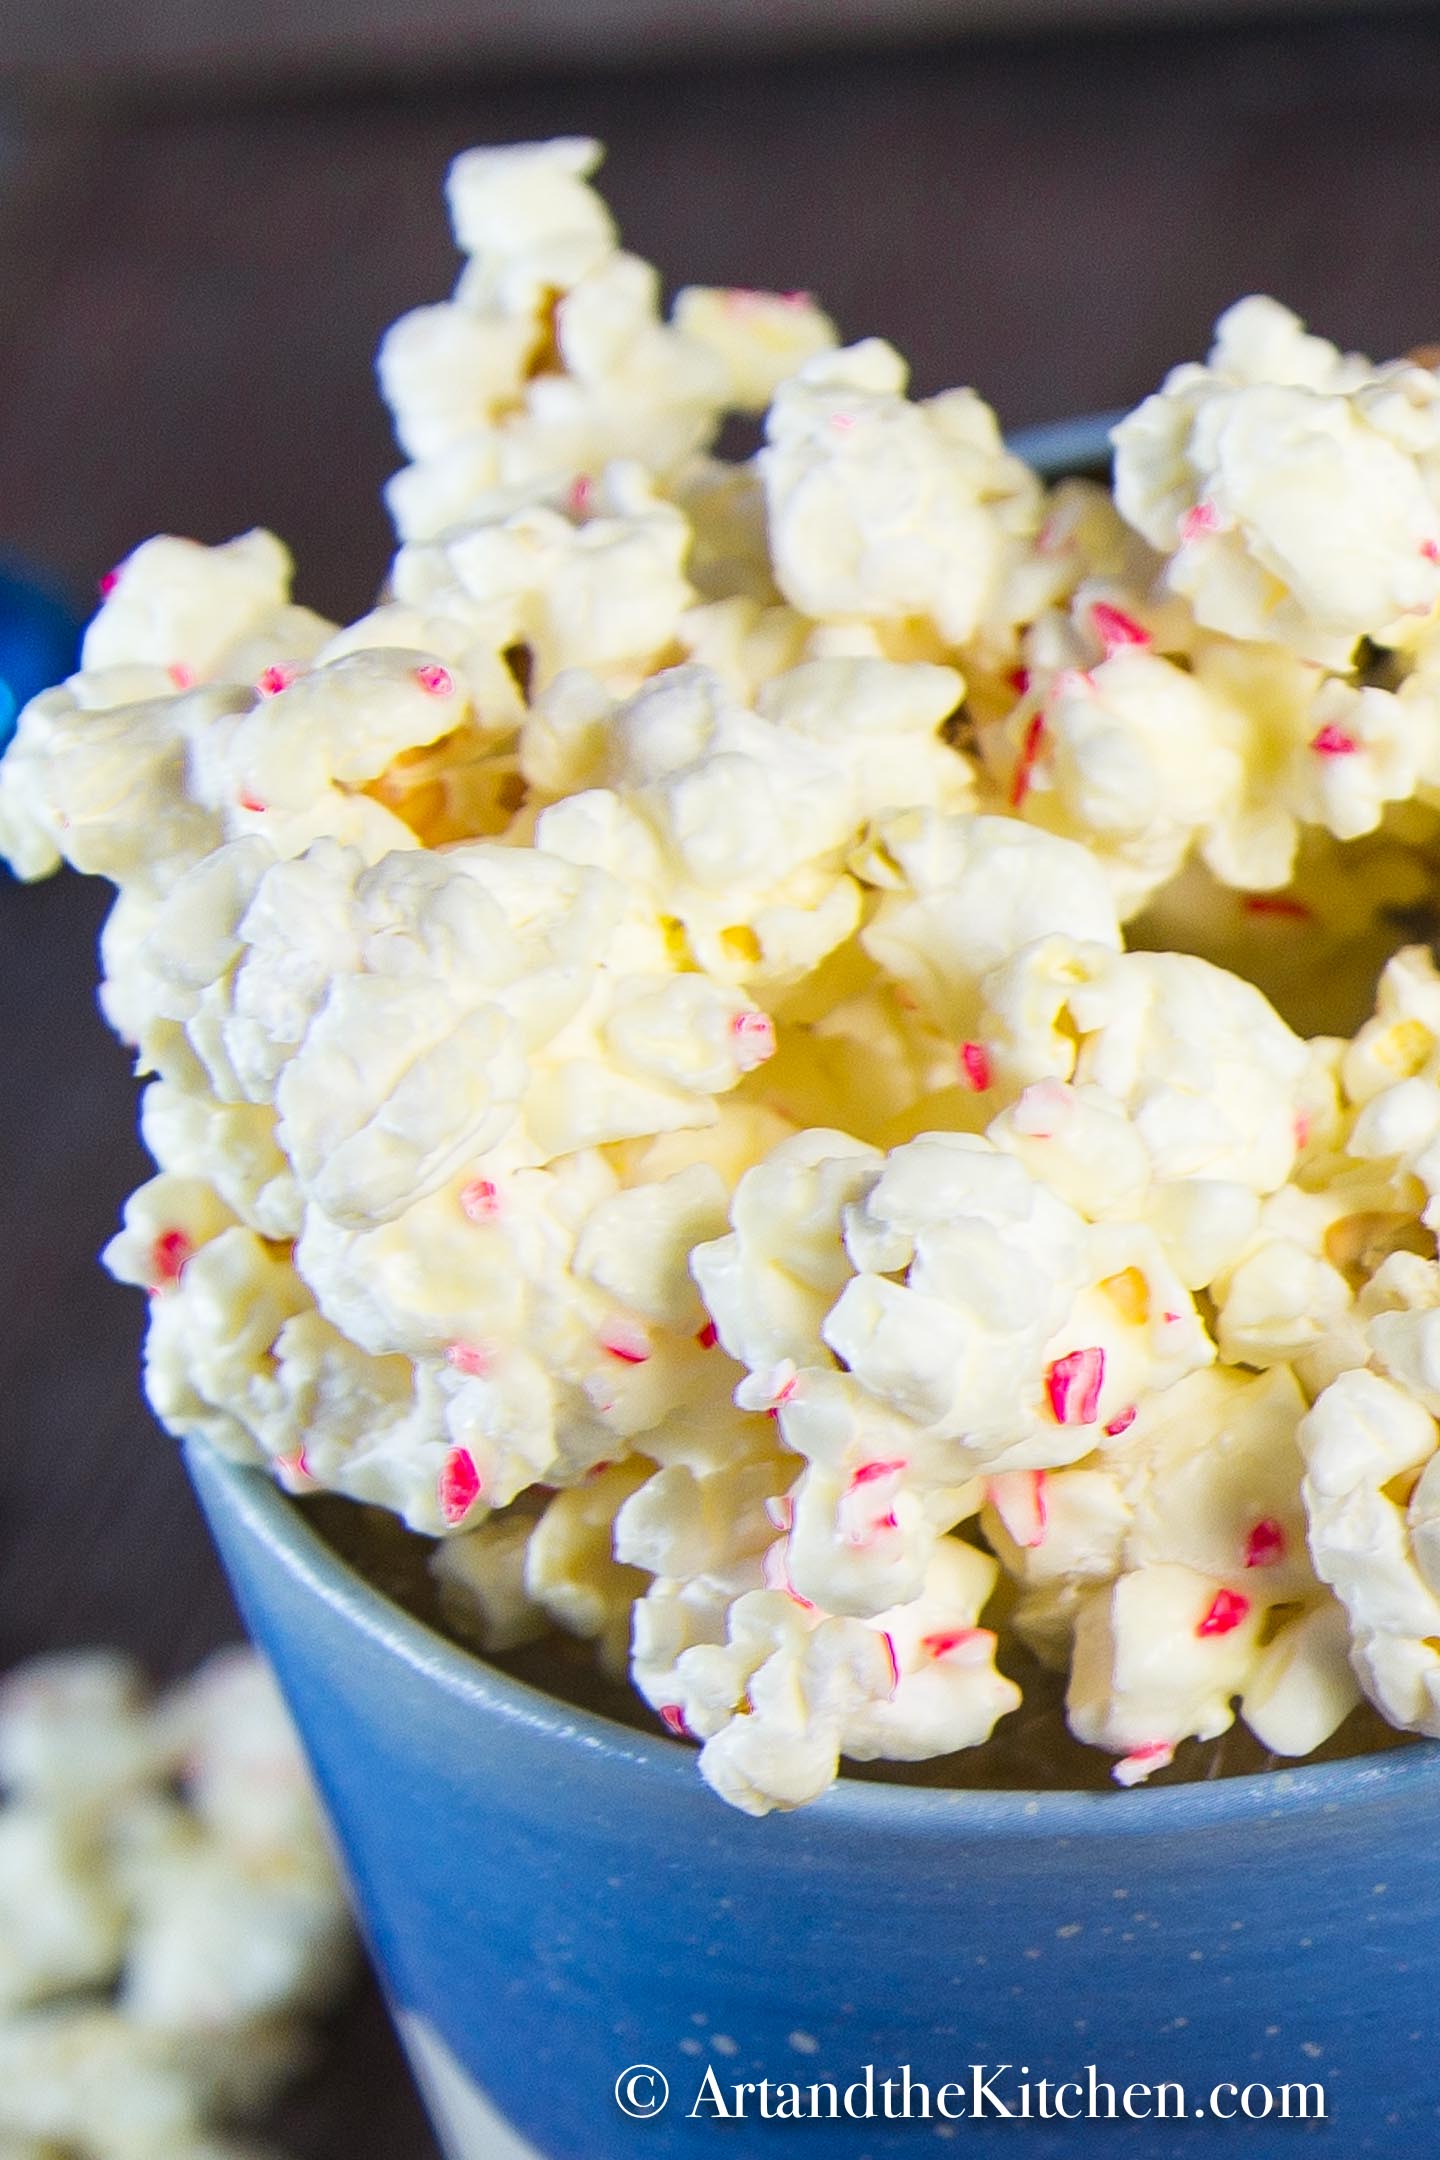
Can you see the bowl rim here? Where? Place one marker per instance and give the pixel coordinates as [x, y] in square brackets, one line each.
[251, 1498]
[1053, 448]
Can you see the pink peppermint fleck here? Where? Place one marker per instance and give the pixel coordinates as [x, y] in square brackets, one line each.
[582, 491]
[1120, 1424]
[106, 585]
[168, 1256]
[844, 421]
[459, 1486]
[1073, 1385]
[1430, 549]
[630, 1344]
[1265, 1544]
[1196, 523]
[795, 298]
[252, 803]
[1332, 741]
[436, 681]
[1018, 1498]
[183, 677]
[1279, 905]
[868, 1473]
[1302, 1129]
[468, 1358]
[975, 1069]
[1115, 629]
[1224, 1613]
[977, 1641]
[1029, 752]
[753, 1034]
[674, 1718]
[480, 1200]
[1133, 1768]
[275, 679]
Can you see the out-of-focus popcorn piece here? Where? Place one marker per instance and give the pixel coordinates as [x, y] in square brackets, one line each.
[216, 1919]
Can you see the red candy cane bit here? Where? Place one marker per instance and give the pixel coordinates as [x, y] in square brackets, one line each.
[1116, 630]
[1332, 741]
[1029, 752]
[1279, 905]
[468, 1358]
[775, 1572]
[183, 677]
[581, 495]
[106, 585]
[966, 1645]
[480, 1200]
[1430, 549]
[273, 680]
[1073, 1385]
[1120, 1424]
[459, 1485]
[1018, 1498]
[753, 1034]
[250, 802]
[435, 681]
[1196, 523]
[294, 1471]
[674, 1719]
[708, 1336]
[1265, 1544]
[168, 1256]
[1019, 680]
[868, 1473]
[1224, 1613]
[976, 1073]
[1138, 1764]
[628, 1343]
[786, 1390]
[889, 1641]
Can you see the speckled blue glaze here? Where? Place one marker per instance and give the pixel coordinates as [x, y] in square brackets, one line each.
[39, 640]
[557, 1898]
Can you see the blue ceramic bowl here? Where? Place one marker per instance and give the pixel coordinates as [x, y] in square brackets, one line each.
[39, 642]
[556, 1902]
[553, 1900]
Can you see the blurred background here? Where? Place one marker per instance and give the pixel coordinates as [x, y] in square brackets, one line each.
[209, 209]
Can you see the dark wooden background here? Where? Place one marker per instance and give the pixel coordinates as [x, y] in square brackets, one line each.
[190, 293]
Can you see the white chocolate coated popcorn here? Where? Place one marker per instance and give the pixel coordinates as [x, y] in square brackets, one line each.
[649, 1085]
[1295, 492]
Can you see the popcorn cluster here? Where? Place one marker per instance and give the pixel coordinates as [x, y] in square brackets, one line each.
[170, 1911]
[704, 1052]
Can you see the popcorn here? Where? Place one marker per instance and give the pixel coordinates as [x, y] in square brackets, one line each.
[156, 1951]
[552, 361]
[1293, 490]
[888, 512]
[1187, 1532]
[649, 1084]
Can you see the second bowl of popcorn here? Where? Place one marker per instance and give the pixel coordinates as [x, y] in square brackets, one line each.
[827, 1070]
